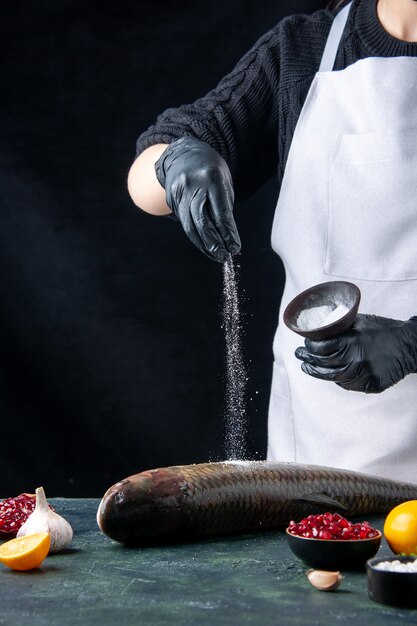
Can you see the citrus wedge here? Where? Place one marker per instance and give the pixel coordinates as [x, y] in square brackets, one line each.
[25, 552]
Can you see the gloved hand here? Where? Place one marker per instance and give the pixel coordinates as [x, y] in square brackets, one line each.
[199, 191]
[373, 355]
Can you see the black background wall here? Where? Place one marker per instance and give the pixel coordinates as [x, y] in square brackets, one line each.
[112, 353]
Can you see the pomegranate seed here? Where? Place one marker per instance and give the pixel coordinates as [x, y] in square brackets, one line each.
[325, 534]
[331, 526]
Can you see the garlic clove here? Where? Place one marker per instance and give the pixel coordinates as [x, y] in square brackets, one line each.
[43, 519]
[323, 580]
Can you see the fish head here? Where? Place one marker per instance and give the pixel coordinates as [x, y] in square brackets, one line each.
[141, 506]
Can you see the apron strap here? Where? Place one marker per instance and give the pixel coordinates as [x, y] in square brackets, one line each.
[333, 40]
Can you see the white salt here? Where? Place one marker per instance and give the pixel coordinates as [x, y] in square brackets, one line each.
[397, 566]
[235, 411]
[319, 316]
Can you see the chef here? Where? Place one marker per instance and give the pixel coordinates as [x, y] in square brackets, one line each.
[328, 102]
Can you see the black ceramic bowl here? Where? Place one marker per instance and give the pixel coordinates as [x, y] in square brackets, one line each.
[334, 554]
[394, 588]
[332, 294]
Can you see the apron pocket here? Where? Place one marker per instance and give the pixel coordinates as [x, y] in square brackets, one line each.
[372, 207]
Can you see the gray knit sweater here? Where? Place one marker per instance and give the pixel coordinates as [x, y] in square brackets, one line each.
[250, 117]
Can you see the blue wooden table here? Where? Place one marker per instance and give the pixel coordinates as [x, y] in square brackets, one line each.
[251, 579]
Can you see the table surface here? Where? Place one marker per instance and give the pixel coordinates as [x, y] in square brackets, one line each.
[250, 579]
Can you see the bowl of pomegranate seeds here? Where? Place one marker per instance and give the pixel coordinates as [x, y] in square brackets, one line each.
[330, 541]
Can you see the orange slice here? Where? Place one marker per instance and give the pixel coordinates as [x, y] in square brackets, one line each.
[25, 552]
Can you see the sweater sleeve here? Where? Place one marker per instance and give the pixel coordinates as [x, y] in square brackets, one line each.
[239, 118]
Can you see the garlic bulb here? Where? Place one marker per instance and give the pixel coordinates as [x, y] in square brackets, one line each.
[325, 581]
[43, 519]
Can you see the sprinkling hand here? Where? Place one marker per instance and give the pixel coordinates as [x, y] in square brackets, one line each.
[199, 191]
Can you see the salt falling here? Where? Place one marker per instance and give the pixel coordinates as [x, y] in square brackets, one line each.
[235, 411]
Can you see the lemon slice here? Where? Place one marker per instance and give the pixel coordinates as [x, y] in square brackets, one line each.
[25, 552]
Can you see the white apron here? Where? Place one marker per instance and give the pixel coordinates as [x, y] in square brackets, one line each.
[347, 210]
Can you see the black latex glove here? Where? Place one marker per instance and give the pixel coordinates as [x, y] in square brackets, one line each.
[199, 191]
[373, 355]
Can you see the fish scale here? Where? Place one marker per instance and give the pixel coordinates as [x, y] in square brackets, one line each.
[211, 499]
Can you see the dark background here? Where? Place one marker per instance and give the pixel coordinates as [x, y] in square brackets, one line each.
[112, 353]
